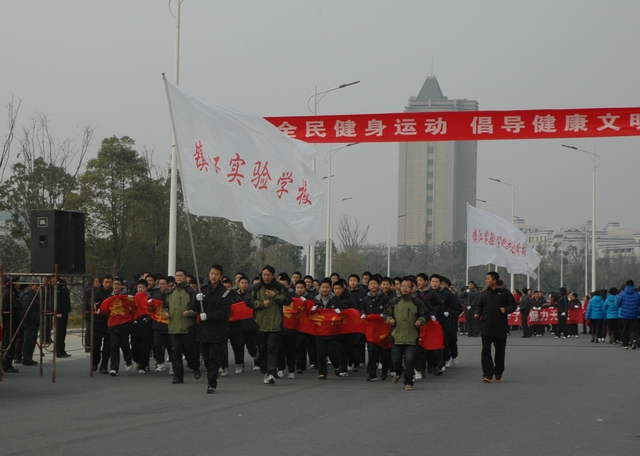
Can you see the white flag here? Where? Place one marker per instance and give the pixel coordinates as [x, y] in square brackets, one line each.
[491, 239]
[241, 167]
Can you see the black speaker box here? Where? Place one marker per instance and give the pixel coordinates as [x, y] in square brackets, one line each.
[57, 237]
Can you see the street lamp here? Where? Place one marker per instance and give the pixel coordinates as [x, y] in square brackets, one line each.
[389, 242]
[493, 204]
[311, 250]
[329, 258]
[327, 255]
[514, 192]
[596, 163]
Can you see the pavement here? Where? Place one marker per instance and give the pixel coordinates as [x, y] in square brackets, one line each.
[557, 397]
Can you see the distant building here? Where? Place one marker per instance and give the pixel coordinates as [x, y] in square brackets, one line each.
[436, 179]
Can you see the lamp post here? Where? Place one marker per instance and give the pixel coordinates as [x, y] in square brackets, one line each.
[329, 258]
[562, 260]
[514, 192]
[327, 262]
[173, 190]
[311, 250]
[389, 242]
[595, 158]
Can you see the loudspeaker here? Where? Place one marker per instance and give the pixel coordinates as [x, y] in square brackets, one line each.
[57, 237]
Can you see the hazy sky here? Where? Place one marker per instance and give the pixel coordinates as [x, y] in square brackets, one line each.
[101, 62]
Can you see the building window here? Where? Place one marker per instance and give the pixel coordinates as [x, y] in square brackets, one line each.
[429, 211]
[429, 186]
[430, 174]
[430, 161]
[429, 199]
[429, 223]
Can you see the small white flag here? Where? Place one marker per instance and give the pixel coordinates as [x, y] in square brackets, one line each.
[492, 239]
[241, 167]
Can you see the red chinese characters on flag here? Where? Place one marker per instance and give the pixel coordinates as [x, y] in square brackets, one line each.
[303, 195]
[201, 161]
[463, 125]
[235, 164]
[261, 176]
[283, 181]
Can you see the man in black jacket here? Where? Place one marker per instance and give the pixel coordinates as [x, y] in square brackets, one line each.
[493, 309]
[213, 328]
[11, 318]
[63, 308]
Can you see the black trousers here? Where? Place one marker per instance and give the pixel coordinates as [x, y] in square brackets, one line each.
[493, 365]
[614, 329]
[119, 337]
[359, 342]
[31, 327]
[377, 354]
[287, 352]
[420, 359]
[183, 344]
[267, 361]
[61, 333]
[561, 327]
[141, 345]
[526, 329]
[160, 342]
[629, 331]
[101, 346]
[335, 350]
[212, 355]
[8, 331]
[450, 345]
[597, 328]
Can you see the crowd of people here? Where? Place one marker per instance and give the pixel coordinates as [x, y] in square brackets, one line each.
[170, 321]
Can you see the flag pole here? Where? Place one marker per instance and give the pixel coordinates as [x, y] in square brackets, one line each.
[184, 194]
[173, 191]
[467, 239]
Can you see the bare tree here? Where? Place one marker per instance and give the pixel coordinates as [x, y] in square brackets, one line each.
[12, 115]
[351, 236]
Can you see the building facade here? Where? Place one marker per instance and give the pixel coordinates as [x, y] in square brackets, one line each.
[436, 179]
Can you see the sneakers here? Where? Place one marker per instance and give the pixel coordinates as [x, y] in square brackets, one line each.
[210, 389]
[160, 368]
[486, 380]
[142, 371]
[129, 368]
[113, 373]
[447, 363]
[454, 361]
[256, 368]
[343, 374]
[396, 378]
[322, 377]
[176, 380]
[104, 371]
[197, 374]
[224, 372]
[498, 378]
[417, 375]
[271, 380]
[239, 368]
[408, 387]
[371, 378]
[292, 375]
[383, 377]
[633, 345]
[280, 373]
[265, 380]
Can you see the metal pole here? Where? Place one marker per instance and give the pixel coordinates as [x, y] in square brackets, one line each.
[327, 253]
[562, 261]
[173, 195]
[594, 252]
[513, 198]
[586, 262]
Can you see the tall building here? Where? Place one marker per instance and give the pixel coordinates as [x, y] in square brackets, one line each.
[437, 179]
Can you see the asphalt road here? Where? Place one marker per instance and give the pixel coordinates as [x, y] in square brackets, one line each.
[557, 397]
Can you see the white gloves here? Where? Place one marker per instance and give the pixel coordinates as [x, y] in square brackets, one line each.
[302, 298]
[337, 310]
[433, 318]
[363, 316]
[200, 297]
[130, 296]
[446, 314]
[203, 316]
[313, 309]
[149, 301]
[468, 307]
[563, 314]
[381, 315]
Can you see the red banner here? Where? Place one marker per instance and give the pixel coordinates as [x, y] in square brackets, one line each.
[546, 316]
[462, 125]
[240, 311]
[431, 336]
[377, 331]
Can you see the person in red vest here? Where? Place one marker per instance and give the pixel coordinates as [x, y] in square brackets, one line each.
[120, 322]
